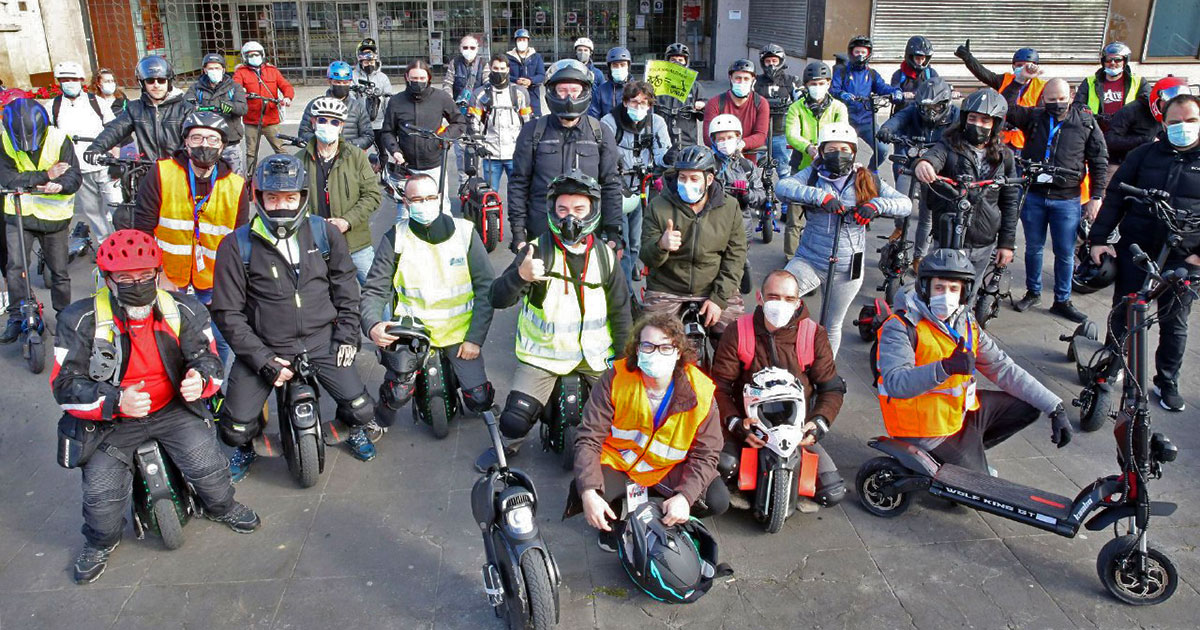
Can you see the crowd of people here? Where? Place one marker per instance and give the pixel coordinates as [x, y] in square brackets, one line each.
[232, 265]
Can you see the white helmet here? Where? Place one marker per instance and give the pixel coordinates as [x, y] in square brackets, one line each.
[253, 46]
[725, 122]
[838, 132]
[68, 70]
[585, 42]
[774, 397]
[329, 107]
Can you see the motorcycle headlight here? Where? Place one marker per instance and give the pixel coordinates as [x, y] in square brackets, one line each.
[520, 519]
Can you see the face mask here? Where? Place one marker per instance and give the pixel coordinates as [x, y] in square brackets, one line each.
[740, 90]
[637, 114]
[71, 88]
[976, 135]
[327, 133]
[469, 54]
[522, 46]
[817, 92]
[619, 75]
[729, 147]
[141, 293]
[204, 156]
[424, 212]
[367, 66]
[108, 87]
[570, 230]
[657, 365]
[1057, 110]
[690, 192]
[859, 60]
[416, 87]
[214, 76]
[339, 91]
[837, 163]
[583, 56]
[1113, 72]
[943, 306]
[778, 313]
[498, 79]
[1183, 134]
[255, 61]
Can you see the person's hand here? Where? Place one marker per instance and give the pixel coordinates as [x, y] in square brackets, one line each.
[134, 402]
[191, 386]
[1004, 256]
[963, 51]
[810, 434]
[285, 102]
[285, 374]
[676, 511]
[57, 170]
[864, 212]
[1091, 209]
[710, 312]
[657, 184]
[752, 440]
[961, 362]
[524, 81]
[597, 511]
[51, 188]
[925, 172]
[532, 269]
[345, 355]
[1099, 250]
[813, 151]
[341, 224]
[908, 96]
[739, 187]
[398, 157]
[91, 156]
[885, 135]
[1060, 427]
[832, 204]
[225, 107]
[1193, 260]
[671, 238]
[468, 351]
[380, 336]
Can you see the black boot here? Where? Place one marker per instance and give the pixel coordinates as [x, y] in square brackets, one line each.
[12, 330]
[1030, 300]
[1067, 310]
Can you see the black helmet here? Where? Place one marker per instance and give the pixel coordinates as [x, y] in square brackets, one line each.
[367, 44]
[772, 50]
[26, 121]
[207, 120]
[1028, 55]
[742, 65]
[695, 158]
[918, 45]
[568, 70]
[618, 54]
[572, 230]
[671, 564]
[406, 354]
[945, 263]
[985, 101]
[817, 70]
[859, 40]
[933, 99]
[154, 67]
[281, 173]
[678, 49]
[213, 58]
[1090, 277]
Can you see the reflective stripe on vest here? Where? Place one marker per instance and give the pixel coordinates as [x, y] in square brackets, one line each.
[557, 336]
[44, 207]
[188, 261]
[939, 411]
[1093, 100]
[433, 282]
[105, 327]
[1030, 95]
[633, 445]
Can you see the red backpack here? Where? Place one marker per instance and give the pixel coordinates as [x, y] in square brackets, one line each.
[805, 334]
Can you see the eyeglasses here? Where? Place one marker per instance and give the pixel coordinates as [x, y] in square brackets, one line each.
[212, 141]
[155, 81]
[1112, 61]
[324, 120]
[422, 199]
[667, 349]
[470, 47]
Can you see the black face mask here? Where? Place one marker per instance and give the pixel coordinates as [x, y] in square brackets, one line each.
[204, 156]
[339, 91]
[498, 79]
[837, 163]
[140, 293]
[1057, 110]
[859, 61]
[416, 87]
[976, 135]
[570, 230]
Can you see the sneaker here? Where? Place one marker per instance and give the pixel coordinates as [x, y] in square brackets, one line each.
[487, 460]
[1066, 310]
[738, 501]
[1031, 299]
[360, 445]
[239, 462]
[805, 505]
[91, 562]
[607, 541]
[374, 431]
[1168, 395]
[12, 330]
[239, 518]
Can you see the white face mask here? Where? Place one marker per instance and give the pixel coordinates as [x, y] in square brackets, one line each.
[778, 313]
[327, 133]
[424, 212]
[943, 305]
[522, 46]
[469, 53]
[215, 75]
[108, 87]
[817, 92]
[657, 365]
[620, 74]
[71, 88]
[729, 146]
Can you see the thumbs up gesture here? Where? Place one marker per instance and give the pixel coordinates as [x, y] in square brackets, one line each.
[671, 238]
[192, 386]
[135, 403]
[532, 268]
[960, 362]
[963, 51]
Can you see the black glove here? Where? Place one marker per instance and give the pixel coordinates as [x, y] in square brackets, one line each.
[963, 51]
[822, 427]
[961, 362]
[225, 108]
[91, 156]
[518, 238]
[270, 371]
[885, 135]
[1060, 427]
[832, 204]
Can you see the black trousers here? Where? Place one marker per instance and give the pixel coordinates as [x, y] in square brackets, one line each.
[999, 417]
[1173, 314]
[54, 249]
[715, 500]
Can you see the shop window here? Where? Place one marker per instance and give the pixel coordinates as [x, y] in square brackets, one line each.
[1174, 29]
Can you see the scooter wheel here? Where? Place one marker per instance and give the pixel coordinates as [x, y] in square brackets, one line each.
[1120, 566]
[783, 489]
[492, 234]
[35, 355]
[543, 609]
[169, 526]
[309, 467]
[986, 310]
[874, 478]
[439, 418]
[768, 230]
[866, 319]
[567, 457]
[1096, 407]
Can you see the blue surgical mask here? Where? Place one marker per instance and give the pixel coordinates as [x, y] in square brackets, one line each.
[1113, 72]
[327, 133]
[637, 114]
[619, 75]
[1183, 134]
[71, 88]
[740, 90]
[424, 212]
[215, 75]
[690, 192]
[657, 365]
[255, 60]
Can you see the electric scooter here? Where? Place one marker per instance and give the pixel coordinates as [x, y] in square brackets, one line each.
[251, 167]
[875, 103]
[163, 501]
[480, 203]
[767, 226]
[292, 140]
[437, 398]
[302, 435]
[130, 172]
[561, 417]
[33, 346]
[520, 577]
[777, 473]
[696, 333]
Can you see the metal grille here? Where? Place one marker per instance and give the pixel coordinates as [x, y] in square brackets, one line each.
[782, 22]
[1067, 30]
[183, 31]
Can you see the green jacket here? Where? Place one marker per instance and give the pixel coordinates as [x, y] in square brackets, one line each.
[353, 190]
[801, 127]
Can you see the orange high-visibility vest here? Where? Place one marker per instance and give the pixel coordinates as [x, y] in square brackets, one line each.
[1030, 95]
[939, 411]
[188, 260]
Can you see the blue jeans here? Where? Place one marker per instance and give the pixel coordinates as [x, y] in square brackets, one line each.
[782, 152]
[1062, 217]
[882, 149]
[492, 170]
[362, 262]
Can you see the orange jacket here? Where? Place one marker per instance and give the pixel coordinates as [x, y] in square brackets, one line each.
[266, 82]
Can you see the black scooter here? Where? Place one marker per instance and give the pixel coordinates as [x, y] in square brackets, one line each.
[302, 435]
[129, 172]
[163, 501]
[520, 578]
[697, 334]
[33, 346]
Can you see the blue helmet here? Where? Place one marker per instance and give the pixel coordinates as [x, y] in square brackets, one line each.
[1025, 54]
[25, 122]
[618, 54]
[521, 32]
[340, 71]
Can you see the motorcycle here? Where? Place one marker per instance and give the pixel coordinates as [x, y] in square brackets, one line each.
[33, 346]
[520, 576]
[481, 204]
[163, 501]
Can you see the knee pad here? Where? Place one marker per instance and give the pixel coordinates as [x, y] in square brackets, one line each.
[831, 489]
[358, 411]
[521, 412]
[235, 432]
[479, 399]
[394, 393]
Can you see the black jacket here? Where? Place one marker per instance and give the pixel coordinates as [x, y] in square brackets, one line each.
[1160, 166]
[995, 214]
[425, 111]
[1078, 145]
[204, 95]
[148, 202]
[560, 150]
[12, 177]
[157, 128]
[779, 90]
[1131, 127]
[256, 310]
[682, 118]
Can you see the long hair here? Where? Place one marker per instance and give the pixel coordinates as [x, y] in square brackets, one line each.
[994, 149]
[94, 85]
[672, 327]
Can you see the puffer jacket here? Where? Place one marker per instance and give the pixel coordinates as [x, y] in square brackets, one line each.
[204, 95]
[157, 128]
[357, 128]
[816, 241]
[848, 84]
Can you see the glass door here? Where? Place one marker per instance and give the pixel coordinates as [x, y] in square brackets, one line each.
[334, 31]
[651, 28]
[403, 32]
[507, 17]
[457, 19]
[276, 26]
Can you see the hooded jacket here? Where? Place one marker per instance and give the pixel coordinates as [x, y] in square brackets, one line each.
[848, 84]
[529, 66]
[605, 96]
[157, 128]
[204, 95]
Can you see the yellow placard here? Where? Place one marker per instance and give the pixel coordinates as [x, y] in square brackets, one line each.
[670, 79]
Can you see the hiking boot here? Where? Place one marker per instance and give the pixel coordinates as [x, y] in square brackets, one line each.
[1168, 395]
[91, 562]
[487, 460]
[12, 330]
[1066, 310]
[1030, 300]
[239, 462]
[360, 445]
[239, 518]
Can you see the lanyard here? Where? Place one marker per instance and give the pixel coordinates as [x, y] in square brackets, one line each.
[199, 202]
[954, 334]
[1054, 129]
[662, 406]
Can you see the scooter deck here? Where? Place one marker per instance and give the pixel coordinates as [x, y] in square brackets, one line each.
[1002, 497]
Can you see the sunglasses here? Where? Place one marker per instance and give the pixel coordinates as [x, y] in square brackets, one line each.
[322, 120]
[470, 47]
[155, 81]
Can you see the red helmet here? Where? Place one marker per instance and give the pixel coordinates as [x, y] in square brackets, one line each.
[1166, 89]
[128, 250]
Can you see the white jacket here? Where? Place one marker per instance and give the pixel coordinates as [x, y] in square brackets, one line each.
[77, 117]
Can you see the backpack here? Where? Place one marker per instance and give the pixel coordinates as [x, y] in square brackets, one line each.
[316, 224]
[806, 333]
[724, 98]
[545, 245]
[57, 105]
[486, 114]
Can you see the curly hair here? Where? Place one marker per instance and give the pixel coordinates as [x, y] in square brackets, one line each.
[672, 328]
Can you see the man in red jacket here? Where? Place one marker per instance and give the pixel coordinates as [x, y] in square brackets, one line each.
[266, 92]
[742, 101]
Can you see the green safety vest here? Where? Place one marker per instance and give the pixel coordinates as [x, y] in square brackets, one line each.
[45, 207]
[802, 128]
[433, 282]
[1093, 101]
